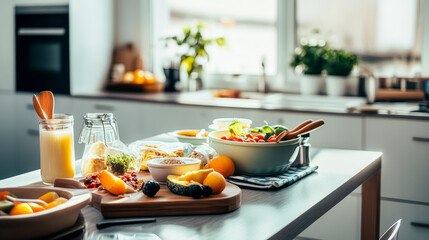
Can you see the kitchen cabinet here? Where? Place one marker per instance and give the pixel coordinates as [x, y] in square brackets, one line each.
[162, 118]
[7, 46]
[405, 147]
[27, 149]
[7, 139]
[341, 222]
[341, 132]
[129, 116]
[414, 217]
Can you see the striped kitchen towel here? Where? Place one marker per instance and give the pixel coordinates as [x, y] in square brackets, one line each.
[271, 182]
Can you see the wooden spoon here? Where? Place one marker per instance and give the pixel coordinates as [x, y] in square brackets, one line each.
[285, 133]
[47, 102]
[38, 108]
[310, 127]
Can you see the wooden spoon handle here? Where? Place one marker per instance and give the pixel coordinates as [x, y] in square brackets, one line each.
[310, 127]
[46, 99]
[283, 134]
[38, 108]
[301, 125]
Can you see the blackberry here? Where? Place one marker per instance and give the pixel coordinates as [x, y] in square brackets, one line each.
[150, 188]
[195, 191]
[87, 181]
[207, 190]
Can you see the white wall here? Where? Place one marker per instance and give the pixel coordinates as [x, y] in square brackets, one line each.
[91, 44]
[133, 25]
[7, 45]
[425, 41]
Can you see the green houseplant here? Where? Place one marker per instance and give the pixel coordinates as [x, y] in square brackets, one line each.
[338, 64]
[310, 60]
[194, 43]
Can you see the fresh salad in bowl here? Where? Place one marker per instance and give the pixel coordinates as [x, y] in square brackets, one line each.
[264, 133]
[268, 133]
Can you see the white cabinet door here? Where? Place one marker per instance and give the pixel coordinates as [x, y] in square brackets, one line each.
[127, 113]
[7, 46]
[338, 132]
[27, 133]
[27, 129]
[163, 118]
[341, 222]
[8, 159]
[405, 161]
[415, 219]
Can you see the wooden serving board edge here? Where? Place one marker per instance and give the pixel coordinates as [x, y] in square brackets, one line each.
[205, 205]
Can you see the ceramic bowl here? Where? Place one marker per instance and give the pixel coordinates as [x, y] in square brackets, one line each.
[44, 223]
[189, 139]
[160, 171]
[256, 159]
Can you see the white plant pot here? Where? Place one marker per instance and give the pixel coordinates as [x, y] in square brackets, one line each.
[311, 84]
[336, 85]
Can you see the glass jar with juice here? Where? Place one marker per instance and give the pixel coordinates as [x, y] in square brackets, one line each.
[57, 158]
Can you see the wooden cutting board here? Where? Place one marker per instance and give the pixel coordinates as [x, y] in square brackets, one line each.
[165, 203]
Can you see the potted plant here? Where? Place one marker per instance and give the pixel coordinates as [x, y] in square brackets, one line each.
[194, 46]
[309, 59]
[339, 64]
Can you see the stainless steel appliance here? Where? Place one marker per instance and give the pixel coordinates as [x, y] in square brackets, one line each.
[42, 49]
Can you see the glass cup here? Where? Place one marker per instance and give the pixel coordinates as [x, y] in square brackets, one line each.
[57, 159]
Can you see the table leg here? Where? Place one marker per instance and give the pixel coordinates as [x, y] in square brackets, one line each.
[370, 216]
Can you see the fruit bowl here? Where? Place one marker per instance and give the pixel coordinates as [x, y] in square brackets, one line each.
[44, 223]
[256, 159]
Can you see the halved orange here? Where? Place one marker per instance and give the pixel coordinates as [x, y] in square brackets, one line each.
[36, 207]
[112, 183]
[21, 208]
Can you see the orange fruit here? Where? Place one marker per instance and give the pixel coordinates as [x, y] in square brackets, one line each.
[21, 208]
[49, 197]
[223, 165]
[55, 203]
[216, 181]
[36, 207]
[112, 183]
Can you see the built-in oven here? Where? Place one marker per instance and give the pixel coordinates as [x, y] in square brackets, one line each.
[42, 49]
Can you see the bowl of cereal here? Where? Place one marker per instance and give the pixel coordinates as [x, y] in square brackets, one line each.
[160, 168]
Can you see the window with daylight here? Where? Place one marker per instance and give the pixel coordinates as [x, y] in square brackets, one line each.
[385, 34]
[248, 26]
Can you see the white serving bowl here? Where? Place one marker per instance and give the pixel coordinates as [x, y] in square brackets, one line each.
[256, 159]
[189, 139]
[160, 171]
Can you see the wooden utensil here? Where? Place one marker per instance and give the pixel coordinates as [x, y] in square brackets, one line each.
[47, 101]
[38, 108]
[309, 128]
[283, 134]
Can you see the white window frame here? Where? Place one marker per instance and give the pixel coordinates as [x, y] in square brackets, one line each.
[285, 80]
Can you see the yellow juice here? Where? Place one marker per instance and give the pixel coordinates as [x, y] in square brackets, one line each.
[57, 159]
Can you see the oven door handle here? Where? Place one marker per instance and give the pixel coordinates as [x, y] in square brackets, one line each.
[41, 31]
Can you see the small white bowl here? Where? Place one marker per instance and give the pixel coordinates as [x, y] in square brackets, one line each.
[189, 139]
[160, 171]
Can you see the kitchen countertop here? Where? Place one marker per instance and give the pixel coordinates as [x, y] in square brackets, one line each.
[351, 106]
[275, 214]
